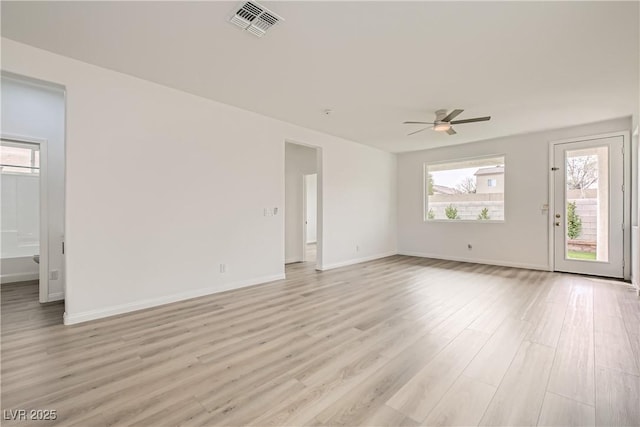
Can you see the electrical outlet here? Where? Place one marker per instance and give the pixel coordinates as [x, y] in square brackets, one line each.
[223, 268]
[54, 274]
[357, 248]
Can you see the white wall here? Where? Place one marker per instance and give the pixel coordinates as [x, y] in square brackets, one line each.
[311, 182]
[163, 186]
[38, 111]
[522, 240]
[18, 269]
[360, 189]
[299, 161]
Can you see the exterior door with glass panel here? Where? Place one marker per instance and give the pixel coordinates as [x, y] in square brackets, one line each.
[589, 207]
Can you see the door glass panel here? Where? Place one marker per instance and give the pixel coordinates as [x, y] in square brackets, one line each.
[587, 204]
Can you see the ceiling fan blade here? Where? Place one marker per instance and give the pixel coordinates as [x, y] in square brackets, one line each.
[451, 131]
[452, 115]
[417, 123]
[476, 119]
[413, 133]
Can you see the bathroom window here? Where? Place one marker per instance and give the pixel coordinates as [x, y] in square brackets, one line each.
[19, 158]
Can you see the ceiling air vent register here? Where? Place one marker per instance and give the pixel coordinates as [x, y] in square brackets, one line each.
[254, 18]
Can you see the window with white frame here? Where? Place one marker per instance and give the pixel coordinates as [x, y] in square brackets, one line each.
[19, 157]
[465, 190]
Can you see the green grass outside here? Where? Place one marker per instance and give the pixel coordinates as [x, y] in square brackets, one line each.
[581, 255]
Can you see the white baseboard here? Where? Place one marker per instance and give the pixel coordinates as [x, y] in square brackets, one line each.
[71, 319]
[292, 260]
[477, 261]
[357, 260]
[18, 277]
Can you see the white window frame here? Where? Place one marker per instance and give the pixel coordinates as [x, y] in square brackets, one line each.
[28, 170]
[425, 195]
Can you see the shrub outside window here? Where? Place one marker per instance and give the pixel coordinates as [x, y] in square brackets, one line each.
[465, 190]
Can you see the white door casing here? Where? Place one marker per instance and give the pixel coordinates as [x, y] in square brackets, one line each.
[604, 250]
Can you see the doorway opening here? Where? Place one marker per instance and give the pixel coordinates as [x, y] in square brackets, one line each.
[590, 206]
[303, 205]
[32, 158]
[24, 217]
[310, 217]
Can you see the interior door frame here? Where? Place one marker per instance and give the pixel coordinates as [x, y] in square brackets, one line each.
[304, 217]
[319, 202]
[43, 267]
[626, 210]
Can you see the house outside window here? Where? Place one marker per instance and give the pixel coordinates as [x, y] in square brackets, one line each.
[490, 179]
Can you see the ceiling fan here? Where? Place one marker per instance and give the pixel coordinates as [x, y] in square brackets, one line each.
[444, 122]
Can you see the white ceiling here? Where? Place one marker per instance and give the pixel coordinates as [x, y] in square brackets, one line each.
[531, 66]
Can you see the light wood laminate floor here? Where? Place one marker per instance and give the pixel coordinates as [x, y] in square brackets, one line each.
[397, 341]
[310, 252]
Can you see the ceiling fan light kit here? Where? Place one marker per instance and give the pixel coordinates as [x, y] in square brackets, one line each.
[444, 122]
[442, 127]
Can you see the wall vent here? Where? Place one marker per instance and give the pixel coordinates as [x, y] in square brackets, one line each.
[254, 18]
